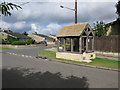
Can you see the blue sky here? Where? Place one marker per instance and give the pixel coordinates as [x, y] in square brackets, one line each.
[48, 18]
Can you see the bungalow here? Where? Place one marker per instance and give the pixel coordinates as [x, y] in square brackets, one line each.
[41, 37]
[53, 36]
[19, 36]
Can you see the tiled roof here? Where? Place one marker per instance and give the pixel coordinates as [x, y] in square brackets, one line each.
[18, 35]
[72, 30]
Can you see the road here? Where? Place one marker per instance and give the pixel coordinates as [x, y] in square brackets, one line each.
[30, 72]
[31, 51]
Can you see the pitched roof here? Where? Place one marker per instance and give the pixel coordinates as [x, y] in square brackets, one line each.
[113, 28]
[36, 37]
[45, 36]
[72, 30]
[18, 35]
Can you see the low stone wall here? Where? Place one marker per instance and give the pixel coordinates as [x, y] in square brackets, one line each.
[109, 54]
[74, 56]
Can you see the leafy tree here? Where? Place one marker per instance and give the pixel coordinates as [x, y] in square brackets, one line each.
[118, 8]
[25, 33]
[5, 8]
[100, 29]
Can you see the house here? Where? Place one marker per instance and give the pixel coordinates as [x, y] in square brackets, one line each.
[41, 37]
[53, 36]
[113, 28]
[19, 36]
[76, 42]
[3, 34]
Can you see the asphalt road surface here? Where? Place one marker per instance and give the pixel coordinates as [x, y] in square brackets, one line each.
[31, 51]
[30, 72]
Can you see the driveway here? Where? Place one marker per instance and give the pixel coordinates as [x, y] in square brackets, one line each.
[30, 72]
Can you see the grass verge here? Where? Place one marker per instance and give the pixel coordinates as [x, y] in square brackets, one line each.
[5, 48]
[95, 62]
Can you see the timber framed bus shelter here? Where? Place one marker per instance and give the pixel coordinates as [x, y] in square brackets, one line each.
[76, 42]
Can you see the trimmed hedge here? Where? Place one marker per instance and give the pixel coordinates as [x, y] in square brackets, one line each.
[5, 42]
[19, 43]
[30, 41]
[23, 42]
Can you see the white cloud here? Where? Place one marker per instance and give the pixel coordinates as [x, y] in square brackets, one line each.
[33, 27]
[49, 29]
[45, 13]
[24, 14]
[4, 25]
[19, 25]
[40, 15]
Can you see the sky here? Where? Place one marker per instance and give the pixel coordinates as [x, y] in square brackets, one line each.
[46, 16]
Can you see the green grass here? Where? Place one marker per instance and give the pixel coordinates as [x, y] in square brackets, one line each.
[0, 36]
[5, 48]
[95, 62]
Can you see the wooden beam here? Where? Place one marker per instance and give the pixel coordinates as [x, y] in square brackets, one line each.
[64, 44]
[58, 44]
[89, 32]
[86, 32]
[88, 36]
[80, 44]
[87, 44]
[93, 44]
[71, 45]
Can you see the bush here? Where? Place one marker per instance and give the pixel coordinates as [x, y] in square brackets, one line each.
[5, 42]
[19, 43]
[11, 39]
[30, 42]
[23, 42]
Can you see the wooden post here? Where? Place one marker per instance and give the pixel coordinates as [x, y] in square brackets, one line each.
[71, 44]
[58, 44]
[87, 44]
[80, 44]
[64, 44]
[93, 43]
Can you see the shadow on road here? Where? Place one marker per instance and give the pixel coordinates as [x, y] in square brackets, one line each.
[14, 78]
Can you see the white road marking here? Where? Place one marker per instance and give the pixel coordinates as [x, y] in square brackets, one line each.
[26, 56]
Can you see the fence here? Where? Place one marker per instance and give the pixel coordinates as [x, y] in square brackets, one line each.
[107, 43]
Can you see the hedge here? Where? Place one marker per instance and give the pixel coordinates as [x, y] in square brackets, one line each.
[23, 42]
[5, 42]
[19, 43]
[12, 39]
[30, 41]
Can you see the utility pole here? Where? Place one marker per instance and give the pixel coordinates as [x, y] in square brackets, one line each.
[75, 11]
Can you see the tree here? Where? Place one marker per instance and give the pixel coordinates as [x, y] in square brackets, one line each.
[25, 33]
[100, 28]
[118, 8]
[5, 8]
